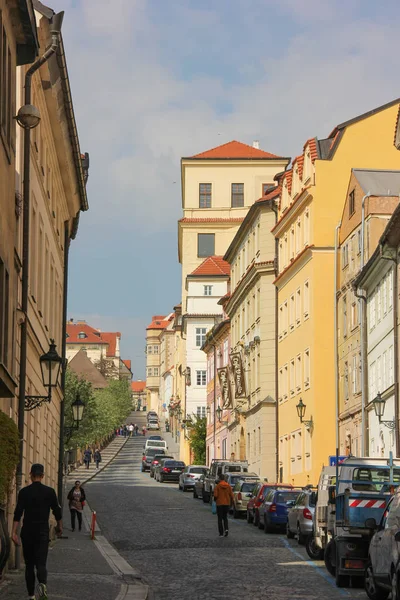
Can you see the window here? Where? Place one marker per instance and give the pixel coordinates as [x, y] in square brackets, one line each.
[201, 412]
[149, 371]
[390, 366]
[200, 336]
[372, 381]
[201, 378]
[4, 313]
[82, 335]
[285, 381]
[155, 371]
[385, 370]
[298, 236]
[226, 352]
[292, 312]
[207, 290]
[298, 373]
[6, 86]
[285, 317]
[205, 195]
[306, 231]
[292, 243]
[344, 316]
[378, 296]
[306, 299]
[298, 306]
[292, 377]
[359, 241]
[280, 384]
[384, 295]
[354, 314]
[372, 314]
[345, 256]
[346, 381]
[390, 289]
[237, 195]
[354, 373]
[307, 368]
[149, 349]
[265, 187]
[352, 203]
[205, 244]
[156, 349]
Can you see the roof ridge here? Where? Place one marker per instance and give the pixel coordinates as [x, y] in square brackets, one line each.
[257, 152]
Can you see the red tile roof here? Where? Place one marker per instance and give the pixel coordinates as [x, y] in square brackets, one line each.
[111, 339]
[299, 161]
[213, 265]
[288, 176]
[272, 194]
[209, 220]
[235, 149]
[127, 363]
[312, 144]
[93, 336]
[138, 386]
[160, 321]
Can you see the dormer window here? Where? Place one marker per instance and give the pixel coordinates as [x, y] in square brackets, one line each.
[82, 335]
[67, 335]
[307, 166]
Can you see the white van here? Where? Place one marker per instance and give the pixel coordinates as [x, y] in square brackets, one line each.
[162, 444]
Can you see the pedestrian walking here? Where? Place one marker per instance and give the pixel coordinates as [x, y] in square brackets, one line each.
[136, 429]
[97, 457]
[223, 497]
[144, 430]
[34, 503]
[130, 427]
[87, 457]
[76, 501]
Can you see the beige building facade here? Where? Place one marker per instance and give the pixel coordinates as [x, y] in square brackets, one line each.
[252, 313]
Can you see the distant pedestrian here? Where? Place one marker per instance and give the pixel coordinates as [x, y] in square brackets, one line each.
[34, 503]
[223, 497]
[125, 430]
[87, 457]
[97, 457]
[136, 429]
[76, 501]
[144, 430]
[130, 427]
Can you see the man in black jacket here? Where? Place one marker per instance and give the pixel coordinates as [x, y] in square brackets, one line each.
[35, 502]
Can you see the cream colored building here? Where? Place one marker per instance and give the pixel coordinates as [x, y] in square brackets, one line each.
[252, 311]
[218, 188]
[370, 187]
[153, 360]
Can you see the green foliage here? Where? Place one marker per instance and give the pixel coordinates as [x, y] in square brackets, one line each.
[104, 411]
[197, 440]
[9, 454]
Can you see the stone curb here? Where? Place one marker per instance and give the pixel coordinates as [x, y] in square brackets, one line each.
[100, 469]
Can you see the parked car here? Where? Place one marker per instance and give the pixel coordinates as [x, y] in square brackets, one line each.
[168, 470]
[258, 495]
[156, 460]
[153, 425]
[300, 516]
[233, 478]
[198, 486]
[274, 509]
[155, 437]
[162, 444]
[148, 457]
[221, 467]
[242, 492]
[382, 574]
[189, 475]
[152, 413]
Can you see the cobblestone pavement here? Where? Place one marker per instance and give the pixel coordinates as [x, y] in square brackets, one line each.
[173, 541]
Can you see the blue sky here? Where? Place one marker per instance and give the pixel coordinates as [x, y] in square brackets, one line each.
[153, 81]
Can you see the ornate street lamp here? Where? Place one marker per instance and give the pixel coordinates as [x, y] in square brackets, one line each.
[179, 413]
[301, 411]
[77, 411]
[50, 366]
[379, 407]
[218, 412]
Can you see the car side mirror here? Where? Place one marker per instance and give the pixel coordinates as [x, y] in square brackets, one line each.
[371, 524]
[397, 537]
[332, 494]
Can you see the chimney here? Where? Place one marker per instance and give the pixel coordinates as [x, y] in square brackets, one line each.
[256, 144]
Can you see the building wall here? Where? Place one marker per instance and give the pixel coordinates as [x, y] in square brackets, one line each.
[196, 360]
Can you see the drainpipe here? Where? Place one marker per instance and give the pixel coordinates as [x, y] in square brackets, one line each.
[335, 320]
[395, 349]
[274, 208]
[55, 28]
[60, 482]
[364, 341]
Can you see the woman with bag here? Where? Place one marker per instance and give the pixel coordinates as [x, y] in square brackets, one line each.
[223, 497]
[76, 500]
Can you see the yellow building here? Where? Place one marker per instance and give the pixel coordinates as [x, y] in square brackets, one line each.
[153, 360]
[218, 188]
[373, 188]
[251, 308]
[311, 205]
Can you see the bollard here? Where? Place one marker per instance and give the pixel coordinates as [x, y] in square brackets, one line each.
[93, 524]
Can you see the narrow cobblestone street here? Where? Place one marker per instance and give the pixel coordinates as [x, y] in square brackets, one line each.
[172, 540]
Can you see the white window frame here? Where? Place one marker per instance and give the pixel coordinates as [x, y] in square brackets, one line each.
[201, 378]
[200, 336]
[207, 290]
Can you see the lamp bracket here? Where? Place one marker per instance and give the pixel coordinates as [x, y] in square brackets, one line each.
[309, 424]
[388, 424]
[32, 402]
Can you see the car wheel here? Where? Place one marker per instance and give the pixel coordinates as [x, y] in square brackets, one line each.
[289, 534]
[300, 536]
[161, 479]
[330, 558]
[249, 517]
[313, 551]
[195, 494]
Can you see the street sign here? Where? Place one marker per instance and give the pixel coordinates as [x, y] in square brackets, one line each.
[332, 460]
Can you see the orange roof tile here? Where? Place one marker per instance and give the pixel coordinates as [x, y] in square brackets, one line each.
[272, 194]
[312, 144]
[210, 220]
[213, 265]
[158, 323]
[138, 386]
[299, 161]
[127, 363]
[111, 339]
[235, 149]
[288, 176]
[93, 336]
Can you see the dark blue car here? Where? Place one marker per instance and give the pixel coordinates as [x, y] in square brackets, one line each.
[274, 510]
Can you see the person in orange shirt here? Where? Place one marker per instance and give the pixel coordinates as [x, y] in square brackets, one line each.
[223, 497]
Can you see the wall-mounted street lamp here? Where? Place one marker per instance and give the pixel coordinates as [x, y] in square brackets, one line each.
[50, 366]
[77, 411]
[179, 413]
[301, 411]
[379, 407]
[218, 412]
[186, 425]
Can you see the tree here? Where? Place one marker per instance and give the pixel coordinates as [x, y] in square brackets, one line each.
[75, 385]
[107, 368]
[197, 440]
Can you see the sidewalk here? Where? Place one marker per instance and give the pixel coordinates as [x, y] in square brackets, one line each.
[78, 566]
[173, 446]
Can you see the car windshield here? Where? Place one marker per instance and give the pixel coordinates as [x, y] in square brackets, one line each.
[283, 497]
[247, 487]
[155, 437]
[153, 451]
[373, 479]
[235, 469]
[199, 470]
[173, 463]
[233, 480]
[157, 444]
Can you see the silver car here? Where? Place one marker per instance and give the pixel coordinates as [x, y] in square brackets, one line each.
[190, 475]
[301, 515]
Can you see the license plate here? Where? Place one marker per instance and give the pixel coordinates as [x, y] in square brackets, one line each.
[176, 471]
